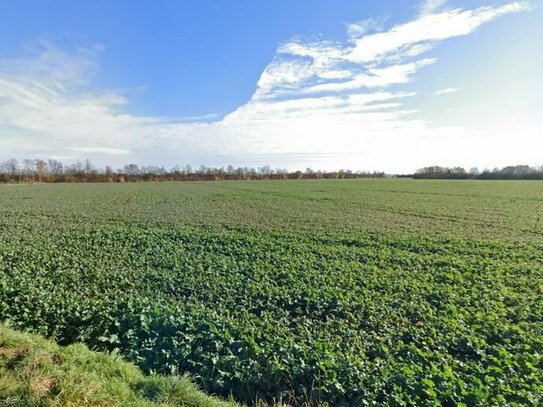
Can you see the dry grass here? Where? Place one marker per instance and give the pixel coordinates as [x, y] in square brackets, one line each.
[37, 372]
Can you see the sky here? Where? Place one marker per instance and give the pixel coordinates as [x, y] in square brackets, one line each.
[328, 84]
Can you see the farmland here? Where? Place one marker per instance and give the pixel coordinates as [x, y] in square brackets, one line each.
[353, 292]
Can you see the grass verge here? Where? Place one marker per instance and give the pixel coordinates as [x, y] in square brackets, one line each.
[38, 372]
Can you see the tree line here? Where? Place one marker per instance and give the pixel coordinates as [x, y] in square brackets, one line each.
[52, 171]
[509, 172]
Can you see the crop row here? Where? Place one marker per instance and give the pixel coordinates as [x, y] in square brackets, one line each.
[292, 316]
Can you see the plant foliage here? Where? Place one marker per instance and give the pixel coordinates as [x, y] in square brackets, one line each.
[374, 292]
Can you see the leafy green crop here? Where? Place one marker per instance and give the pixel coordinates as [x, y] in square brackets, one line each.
[340, 292]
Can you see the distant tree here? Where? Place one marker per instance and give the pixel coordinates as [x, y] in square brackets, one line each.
[10, 170]
[28, 170]
[474, 171]
[56, 170]
[108, 172]
[41, 169]
[88, 169]
[132, 170]
[265, 170]
[509, 172]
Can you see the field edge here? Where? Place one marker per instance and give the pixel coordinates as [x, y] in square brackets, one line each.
[37, 372]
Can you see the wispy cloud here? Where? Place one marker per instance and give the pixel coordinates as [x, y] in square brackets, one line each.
[419, 35]
[358, 29]
[101, 150]
[446, 90]
[431, 6]
[340, 103]
[370, 60]
[46, 104]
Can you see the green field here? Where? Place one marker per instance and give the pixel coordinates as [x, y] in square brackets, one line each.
[347, 292]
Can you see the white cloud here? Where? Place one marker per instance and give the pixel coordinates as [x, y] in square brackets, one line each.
[358, 29]
[282, 76]
[320, 103]
[54, 68]
[425, 30]
[431, 6]
[44, 98]
[375, 77]
[370, 60]
[101, 150]
[446, 90]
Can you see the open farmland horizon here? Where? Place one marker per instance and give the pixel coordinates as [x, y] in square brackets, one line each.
[496, 209]
[324, 292]
[362, 222]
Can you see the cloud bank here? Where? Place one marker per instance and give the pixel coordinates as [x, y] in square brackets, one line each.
[320, 103]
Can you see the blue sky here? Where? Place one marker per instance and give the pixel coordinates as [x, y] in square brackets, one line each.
[389, 85]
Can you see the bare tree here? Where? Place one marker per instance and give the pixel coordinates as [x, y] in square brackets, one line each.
[28, 169]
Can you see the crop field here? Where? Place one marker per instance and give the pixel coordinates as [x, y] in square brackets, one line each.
[318, 292]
